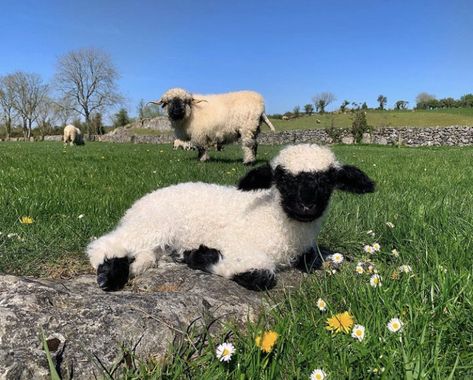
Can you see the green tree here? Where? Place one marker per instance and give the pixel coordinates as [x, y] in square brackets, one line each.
[466, 101]
[382, 100]
[344, 105]
[309, 109]
[359, 126]
[121, 118]
[97, 123]
[401, 105]
[364, 106]
[426, 101]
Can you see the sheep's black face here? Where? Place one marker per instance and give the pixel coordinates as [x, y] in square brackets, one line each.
[177, 109]
[305, 196]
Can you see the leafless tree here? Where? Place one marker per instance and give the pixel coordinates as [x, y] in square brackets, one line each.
[46, 115]
[7, 102]
[86, 79]
[29, 91]
[322, 100]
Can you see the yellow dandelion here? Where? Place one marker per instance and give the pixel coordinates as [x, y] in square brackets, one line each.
[26, 220]
[340, 322]
[267, 340]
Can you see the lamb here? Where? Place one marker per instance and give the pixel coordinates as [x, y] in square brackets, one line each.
[268, 222]
[179, 144]
[72, 135]
[214, 120]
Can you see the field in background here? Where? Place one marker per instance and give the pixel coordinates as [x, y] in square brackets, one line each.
[381, 119]
[425, 192]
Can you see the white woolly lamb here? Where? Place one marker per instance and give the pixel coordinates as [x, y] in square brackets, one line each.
[185, 145]
[73, 135]
[244, 233]
[215, 120]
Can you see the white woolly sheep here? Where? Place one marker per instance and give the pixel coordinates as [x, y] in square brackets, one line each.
[244, 233]
[185, 145]
[73, 135]
[207, 120]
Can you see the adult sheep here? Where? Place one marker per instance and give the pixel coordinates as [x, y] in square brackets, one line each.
[73, 135]
[244, 233]
[209, 120]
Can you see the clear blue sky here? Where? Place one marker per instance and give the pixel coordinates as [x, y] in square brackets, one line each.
[287, 50]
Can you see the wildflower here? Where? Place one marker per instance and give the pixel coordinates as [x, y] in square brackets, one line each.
[12, 235]
[389, 224]
[376, 247]
[372, 269]
[375, 280]
[337, 258]
[395, 253]
[370, 232]
[358, 332]
[368, 249]
[359, 269]
[395, 275]
[395, 325]
[26, 220]
[340, 322]
[224, 352]
[267, 341]
[80, 216]
[321, 304]
[318, 374]
[405, 269]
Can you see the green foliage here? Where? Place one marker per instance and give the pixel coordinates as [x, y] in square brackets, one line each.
[309, 109]
[344, 105]
[401, 105]
[121, 118]
[364, 106]
[382, 100]
[97, 123]
[334, 133]
[359, 126]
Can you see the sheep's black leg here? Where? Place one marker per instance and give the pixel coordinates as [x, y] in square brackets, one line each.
[113, 273]
[256, 279]
[202, 258]
[312, 259]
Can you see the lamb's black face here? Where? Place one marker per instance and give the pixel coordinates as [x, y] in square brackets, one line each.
[177, 108]
[305, 196]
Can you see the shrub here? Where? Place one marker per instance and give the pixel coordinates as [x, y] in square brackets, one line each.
[359, 126]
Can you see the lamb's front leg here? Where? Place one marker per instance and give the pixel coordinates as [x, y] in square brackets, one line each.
[116, 262]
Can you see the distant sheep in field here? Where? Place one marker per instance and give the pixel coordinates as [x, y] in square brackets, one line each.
[73, 135]
[179, 144]
[245, 233]
[285, 117]
[215, 120]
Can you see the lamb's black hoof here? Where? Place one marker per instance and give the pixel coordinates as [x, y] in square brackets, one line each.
[258, 279]
[113, 273]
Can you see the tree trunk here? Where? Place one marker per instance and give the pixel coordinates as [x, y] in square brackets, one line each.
[25, 129]
[87, 123]
[30, 123]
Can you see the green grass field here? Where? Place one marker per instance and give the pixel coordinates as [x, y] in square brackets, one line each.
[425, 192]
[381, 119]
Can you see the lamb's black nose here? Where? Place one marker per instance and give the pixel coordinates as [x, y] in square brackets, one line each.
[308, 195]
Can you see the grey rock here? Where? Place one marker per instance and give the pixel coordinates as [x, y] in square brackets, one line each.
[83, 323]
[347, 140]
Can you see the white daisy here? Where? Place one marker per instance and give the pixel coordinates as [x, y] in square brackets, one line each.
[395, 325]
[368, 249]
[358, 332]
[318, 374]
[376, 247]
[321, 304]
[395, 253]
[337, 258]
[389, 224]
[80, 216]
[224, 352]
[405, 269]
[359, 269]
[375, 280]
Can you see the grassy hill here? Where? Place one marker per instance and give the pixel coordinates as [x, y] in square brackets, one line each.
[380, 119]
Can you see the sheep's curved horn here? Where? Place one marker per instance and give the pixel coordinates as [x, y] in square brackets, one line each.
[157, 102]
[198, 100]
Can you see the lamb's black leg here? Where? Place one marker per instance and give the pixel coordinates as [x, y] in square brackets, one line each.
[202, 258]
[312, 259]
[113, 273]
[257, 279]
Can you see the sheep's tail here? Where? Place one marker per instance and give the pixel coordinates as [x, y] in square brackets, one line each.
[268, 123]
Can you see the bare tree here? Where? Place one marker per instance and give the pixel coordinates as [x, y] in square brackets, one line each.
[46, 115]
[7, 102]
[29, 91]
[63, 111]
[322, 100]
[86, 79]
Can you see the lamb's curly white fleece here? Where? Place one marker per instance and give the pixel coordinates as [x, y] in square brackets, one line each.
[72, 134]
[250, 229]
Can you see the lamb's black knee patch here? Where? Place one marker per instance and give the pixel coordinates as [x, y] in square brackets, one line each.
[202, 258]
[113, 273]
[257, 279]
[312, 259]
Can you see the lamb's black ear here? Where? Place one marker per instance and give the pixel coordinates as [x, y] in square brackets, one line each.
[350, 178]
[257, 178]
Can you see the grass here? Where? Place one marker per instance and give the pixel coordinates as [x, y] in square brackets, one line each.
[425, 192]
[380, 119]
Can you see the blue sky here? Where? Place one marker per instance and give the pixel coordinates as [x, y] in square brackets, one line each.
[287, 50]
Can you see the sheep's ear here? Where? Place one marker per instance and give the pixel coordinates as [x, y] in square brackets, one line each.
[350, 178]
[257, 178]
